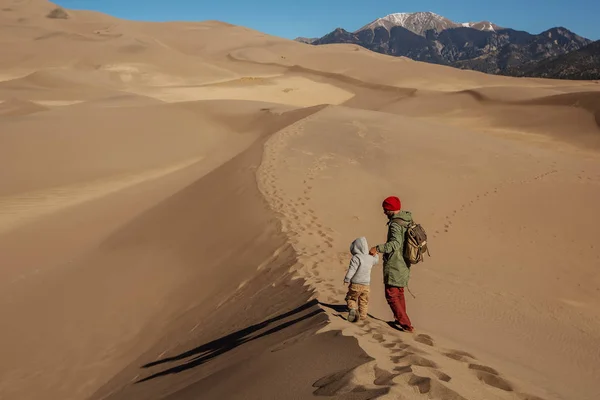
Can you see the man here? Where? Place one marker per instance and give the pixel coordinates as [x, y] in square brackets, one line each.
[396, 270]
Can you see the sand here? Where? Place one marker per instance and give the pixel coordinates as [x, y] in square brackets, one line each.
[177, 202]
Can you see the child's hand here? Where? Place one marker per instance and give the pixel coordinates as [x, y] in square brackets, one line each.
[345, 283]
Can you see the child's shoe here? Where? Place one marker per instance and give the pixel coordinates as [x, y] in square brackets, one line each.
[352, 315]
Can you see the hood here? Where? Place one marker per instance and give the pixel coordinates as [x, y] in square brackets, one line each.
[359, 246]
[404, 215]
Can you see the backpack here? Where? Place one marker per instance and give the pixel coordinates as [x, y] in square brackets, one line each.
[415, 242]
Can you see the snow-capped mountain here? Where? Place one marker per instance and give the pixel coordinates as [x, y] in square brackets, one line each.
[481, 46]
[481, 26]
[421, 22]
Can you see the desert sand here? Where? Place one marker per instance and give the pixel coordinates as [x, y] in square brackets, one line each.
[177, 202]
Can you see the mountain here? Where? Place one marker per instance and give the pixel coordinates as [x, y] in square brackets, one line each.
[422, 22]
[481, 46]
[580, 64]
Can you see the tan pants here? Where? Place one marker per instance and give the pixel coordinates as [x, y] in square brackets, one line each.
[358, 293]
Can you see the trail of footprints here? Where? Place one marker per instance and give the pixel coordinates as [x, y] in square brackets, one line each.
[492, 192]
[299, 220]
[411, 365]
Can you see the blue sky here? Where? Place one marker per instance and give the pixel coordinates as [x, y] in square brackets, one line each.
[314, 18]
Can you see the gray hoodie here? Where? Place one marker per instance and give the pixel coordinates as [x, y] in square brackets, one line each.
[359, 270]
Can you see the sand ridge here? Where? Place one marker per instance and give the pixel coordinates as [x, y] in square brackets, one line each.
[298, 197]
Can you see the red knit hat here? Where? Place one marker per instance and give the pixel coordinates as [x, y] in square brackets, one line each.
[392, 203]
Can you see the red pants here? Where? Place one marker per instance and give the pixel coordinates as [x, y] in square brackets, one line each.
[395, 298]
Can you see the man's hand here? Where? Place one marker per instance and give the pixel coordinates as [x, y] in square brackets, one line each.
[373, 251]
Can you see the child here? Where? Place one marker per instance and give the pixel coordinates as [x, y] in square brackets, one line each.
[359, 277]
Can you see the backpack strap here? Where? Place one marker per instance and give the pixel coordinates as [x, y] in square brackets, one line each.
[400, 222]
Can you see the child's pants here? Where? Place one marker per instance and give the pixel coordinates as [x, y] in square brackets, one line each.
[358, 293]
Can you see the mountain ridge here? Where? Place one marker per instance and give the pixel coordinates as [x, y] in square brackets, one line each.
[582, 64]
[480, 46]
[421, 22]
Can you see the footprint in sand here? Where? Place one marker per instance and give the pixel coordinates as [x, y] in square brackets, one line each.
[459, 355]
[383, 377]
[406, 348]
[403, 370]
[442, 376]
[344, 382]
[425, 339]
[432, 388]
[425, 385]
[413, 359]
[490, 377]
[379, 337]
[483, 368]
[422, 383]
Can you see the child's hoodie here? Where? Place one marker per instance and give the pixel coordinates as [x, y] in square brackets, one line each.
[359, 270]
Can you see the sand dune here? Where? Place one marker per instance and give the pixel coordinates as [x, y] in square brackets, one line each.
[294, 91]
[536, 114]
[177, 201]
[20, 209]
[476, 196]
[14, 107]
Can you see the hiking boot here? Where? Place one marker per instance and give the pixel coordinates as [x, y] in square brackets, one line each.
[401, 327]
[352, 315]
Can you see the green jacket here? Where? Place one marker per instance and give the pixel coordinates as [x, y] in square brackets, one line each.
[396, 271]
